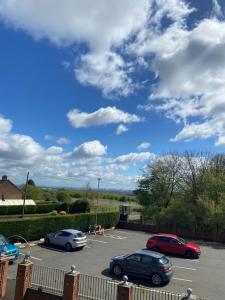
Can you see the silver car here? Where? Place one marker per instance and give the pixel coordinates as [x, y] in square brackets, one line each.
[68, 238]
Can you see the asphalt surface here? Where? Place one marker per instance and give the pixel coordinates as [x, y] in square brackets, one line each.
[205, 275]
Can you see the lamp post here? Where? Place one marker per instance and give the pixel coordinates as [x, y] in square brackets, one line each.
[25, 195]
[96, 217]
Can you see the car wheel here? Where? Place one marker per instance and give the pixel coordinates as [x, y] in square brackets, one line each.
[156, 279]
[117, 270]
[68, 247]
[189, 254]
[47, 241]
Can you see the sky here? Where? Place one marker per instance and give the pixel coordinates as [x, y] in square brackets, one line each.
[100, 89]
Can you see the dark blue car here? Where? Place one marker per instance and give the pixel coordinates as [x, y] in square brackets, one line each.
[145, 264]
[7, 249]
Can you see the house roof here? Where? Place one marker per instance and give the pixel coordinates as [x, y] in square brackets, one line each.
[10, 182]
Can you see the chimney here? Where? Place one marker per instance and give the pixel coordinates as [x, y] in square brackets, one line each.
[4, 178]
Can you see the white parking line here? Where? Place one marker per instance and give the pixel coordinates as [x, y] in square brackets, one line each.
[97, 241]
[117, 237]
[182, 279]
[185, 268]
[40, 259]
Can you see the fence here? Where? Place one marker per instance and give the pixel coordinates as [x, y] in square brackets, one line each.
[97, 288]
[48, 279]
[51, 280]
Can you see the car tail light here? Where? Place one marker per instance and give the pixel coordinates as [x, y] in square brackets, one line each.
[166, 269]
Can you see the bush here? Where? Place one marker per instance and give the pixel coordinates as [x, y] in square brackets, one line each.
[46, 208]
[62, 212]
[64, 206]
[63, 196]
[54, 213]
[80, 206]
[37, 227]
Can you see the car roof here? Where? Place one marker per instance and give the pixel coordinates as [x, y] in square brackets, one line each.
[149, 253]
[166, 234]
[72, 231]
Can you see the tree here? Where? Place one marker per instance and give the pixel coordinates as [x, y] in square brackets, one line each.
[63, 196]
[31, 182]
[160, 181]
[34, 193]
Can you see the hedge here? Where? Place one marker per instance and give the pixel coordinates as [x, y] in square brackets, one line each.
[37, 227]
[29, 209]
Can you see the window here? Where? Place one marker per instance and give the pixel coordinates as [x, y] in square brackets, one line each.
[134, 257]
[164, 260]
[174, 242]
[63, 234]
[146, 259]
[164, 239]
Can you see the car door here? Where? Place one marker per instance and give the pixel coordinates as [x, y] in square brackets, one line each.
[176, 247]
[164, 244]
[132, 264]
[146, 265]
[59, 238]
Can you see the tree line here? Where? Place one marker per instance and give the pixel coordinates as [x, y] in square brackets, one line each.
[185, 190]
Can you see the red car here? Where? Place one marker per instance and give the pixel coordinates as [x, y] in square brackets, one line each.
[171, 243]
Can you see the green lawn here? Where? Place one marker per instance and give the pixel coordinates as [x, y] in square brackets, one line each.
[108, 204]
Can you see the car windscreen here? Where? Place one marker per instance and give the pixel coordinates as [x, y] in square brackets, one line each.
[3, 240]
[163, 260]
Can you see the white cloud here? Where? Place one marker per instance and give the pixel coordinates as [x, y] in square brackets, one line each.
[63, 141]
[122, 37]
[103, 116]
[143, 146]
[134, 157]
[54, 167]
[54, 150]
[100, 26]
[89, 150]
[48, 137]
[5, 125]
[217, 9]
[121, 129]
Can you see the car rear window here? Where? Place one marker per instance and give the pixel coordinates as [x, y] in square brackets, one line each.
[79, 235]
[163, 260]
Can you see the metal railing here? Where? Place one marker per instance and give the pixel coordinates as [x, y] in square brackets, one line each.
[48, 279]
[51, 280]
[141, 293]
[96, 288]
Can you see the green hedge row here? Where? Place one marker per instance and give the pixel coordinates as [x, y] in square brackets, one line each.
[37, 227]
[79, 206]
[29, 209]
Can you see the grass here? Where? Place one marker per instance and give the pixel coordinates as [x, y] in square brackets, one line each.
[108, 204]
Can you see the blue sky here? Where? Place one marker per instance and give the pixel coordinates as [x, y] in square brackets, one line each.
[101, 89]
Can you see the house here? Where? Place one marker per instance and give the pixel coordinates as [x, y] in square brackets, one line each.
[10, 194]
[9, 190]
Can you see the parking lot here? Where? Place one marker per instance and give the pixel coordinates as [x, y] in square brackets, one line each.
[205, 275]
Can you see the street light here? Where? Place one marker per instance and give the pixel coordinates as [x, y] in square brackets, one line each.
[96, 217]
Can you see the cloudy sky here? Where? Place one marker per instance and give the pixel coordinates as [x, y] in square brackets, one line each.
[99, 88]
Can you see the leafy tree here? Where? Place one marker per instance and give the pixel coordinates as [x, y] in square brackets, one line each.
[63, 196]
[80, 206]
[31, 182]
[34, 193]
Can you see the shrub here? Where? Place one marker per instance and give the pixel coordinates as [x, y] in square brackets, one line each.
[65, 206]
[37, 227]
[62, 212]
[80, 206]
[63, 196]
[53, 213]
